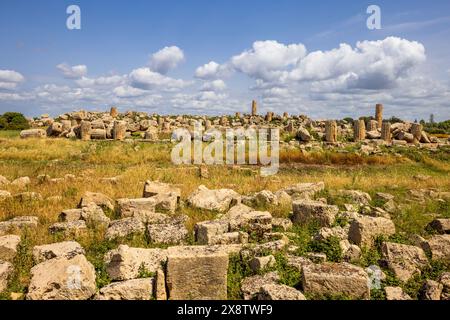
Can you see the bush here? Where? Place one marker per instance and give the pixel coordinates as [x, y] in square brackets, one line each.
[13, 121]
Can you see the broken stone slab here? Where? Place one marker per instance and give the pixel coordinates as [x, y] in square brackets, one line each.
[196, 273]
[6, 270]
[251, 286]
[304, 190]
[326, 233]
[124, 227]
[28, 196]
[439, 247]
[66, 249]
[445, 281]
[282, 223]
[403, 260]
[364, 229]
[441, 226]
[134, 289]
[72, 228]
[70, 215]
[8, 247]
[96, 198]
[21, 182]
[125, 263]
[431, 290]
[356, 196]
[153, 188]
[279, 292]
[167, 233]
[136, 207]
[308, 210]
[62, 279]
[207, 231]
[396, 293]
[334, 279]
[20, 222]
[33, 133]
[258, 264]
[94, 216]
[216, 200]
[5, 195]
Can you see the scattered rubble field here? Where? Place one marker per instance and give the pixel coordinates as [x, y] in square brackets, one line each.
[116, 220]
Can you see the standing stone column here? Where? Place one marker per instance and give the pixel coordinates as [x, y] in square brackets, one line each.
[416, 130]
[207, 124]
[254, 108]
[331, 131]
[285, 115]
[379, 115]
[359, 130]
[269, 116]
[160, 121]
[373, 125]
[113, 113]
[237, 115]
[386, 132]
[85, 130]
[119, 130]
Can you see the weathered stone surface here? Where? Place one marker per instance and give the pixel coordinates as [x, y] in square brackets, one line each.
[66, 249]
[379, 115]
[72, 228]
[141, 207]
[350, 252]
[135, 289]
[207, 231]
[96, 198]
[396, 293]
[85, 130]
[196, 273]
[153, 188]
[124, 227]
[386, 132]
[69, 279]
[282, 223]
[5, 195]
[403, 260]
[20, 222]
[4, 181]
[335, 278]
[331, 131]
[308, 210]
[6, 270]
[8, 247]
[439, 247]
[258, 264]
[431, 290]
[21, 182]
[356, 196]
[94, 216]
[69, 215]
[440, 225]
[160, 285]
[167, 233]
[304, 190]
[364, 230]
[125, 263]
[359, 130]
[326, 233]
[33, 133]
[445, 281]
[251, 286]
[279, 292]
[303, 135]
[218, 200]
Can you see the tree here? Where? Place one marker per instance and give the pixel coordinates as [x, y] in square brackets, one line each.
[432, 118]
[13, 121]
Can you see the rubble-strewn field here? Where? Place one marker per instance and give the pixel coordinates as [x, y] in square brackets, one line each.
[117, 220]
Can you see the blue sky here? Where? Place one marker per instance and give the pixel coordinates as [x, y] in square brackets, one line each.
[404, 65]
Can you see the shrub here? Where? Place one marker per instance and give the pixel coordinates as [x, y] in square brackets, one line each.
[13, 121]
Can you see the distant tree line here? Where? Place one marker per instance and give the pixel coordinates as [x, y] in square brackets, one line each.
[13, 121]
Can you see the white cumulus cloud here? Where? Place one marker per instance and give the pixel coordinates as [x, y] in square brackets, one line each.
[166, 59]
[72, 72]
[9, 79]
[215, 85]
[144, 78]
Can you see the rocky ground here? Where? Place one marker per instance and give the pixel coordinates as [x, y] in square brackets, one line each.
[343, 219]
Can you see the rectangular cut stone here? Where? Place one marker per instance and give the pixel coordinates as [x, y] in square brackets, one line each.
[335, 279]
[196, 273]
